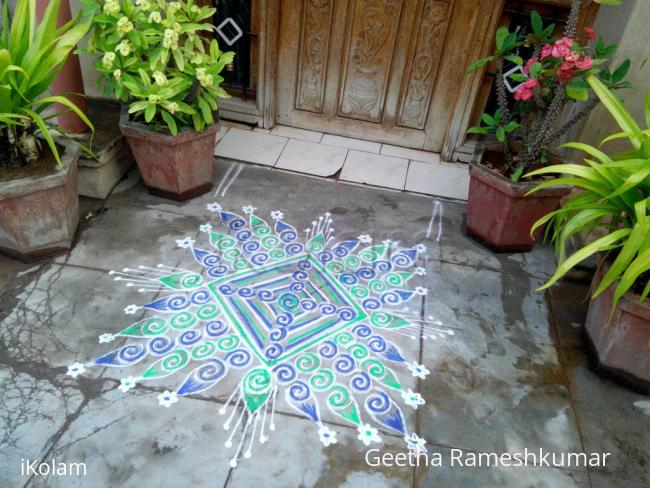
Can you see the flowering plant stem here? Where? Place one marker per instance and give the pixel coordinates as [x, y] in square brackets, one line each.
[526, 124]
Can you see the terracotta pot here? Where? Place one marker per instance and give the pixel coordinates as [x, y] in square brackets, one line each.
[39, 215]
[620, 349]
[175, 167]
[500, 215]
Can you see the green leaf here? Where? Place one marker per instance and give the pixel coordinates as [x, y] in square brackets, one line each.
[536, 23]
[149, 112]
[616, 109]
[511, 126]
[501, 134]
[577, 93]
[479, 63]
[621, 71]
[169, 120]
[46, 134]
[625, 256]
[514, 59]
[604, 243]
[488, 119]
[516, 176]
[502, 33]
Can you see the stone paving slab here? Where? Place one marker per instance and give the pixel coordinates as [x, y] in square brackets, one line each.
[485, 394]
[505, 306]
[126, 444]
[501, 380]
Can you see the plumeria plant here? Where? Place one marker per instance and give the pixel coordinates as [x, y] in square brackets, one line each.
[552, 77]
[155, 56]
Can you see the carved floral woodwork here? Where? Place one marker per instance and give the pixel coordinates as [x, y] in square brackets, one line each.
[314, 49]
[424, 63]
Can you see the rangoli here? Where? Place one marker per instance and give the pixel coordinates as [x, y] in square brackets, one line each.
[304, 316]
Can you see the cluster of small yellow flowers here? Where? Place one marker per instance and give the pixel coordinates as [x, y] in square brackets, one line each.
[174, 6]
[154, 17]
[196, 9]
[159, 78]
[197, 59]
[107, 60]
[143, 4]
[170, 39]
[117, 74]
[124, 48]
[155, 99]
[111, 6]
[124, 26]
[171, 107]
[205, 79]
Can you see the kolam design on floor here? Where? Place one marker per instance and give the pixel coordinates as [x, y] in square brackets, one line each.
[309, 317]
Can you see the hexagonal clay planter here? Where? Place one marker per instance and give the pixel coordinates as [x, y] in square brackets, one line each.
[39, 215]
[620, 348]
[500, 215]
[176, 167]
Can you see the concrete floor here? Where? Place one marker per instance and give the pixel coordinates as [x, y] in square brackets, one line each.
[514, 375]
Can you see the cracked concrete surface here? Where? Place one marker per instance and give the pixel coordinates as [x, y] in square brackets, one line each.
[515, 374]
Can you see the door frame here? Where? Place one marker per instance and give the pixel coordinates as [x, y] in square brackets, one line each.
[260, 111]
[454, 107]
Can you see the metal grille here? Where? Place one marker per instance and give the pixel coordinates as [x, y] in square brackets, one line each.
[233, 22]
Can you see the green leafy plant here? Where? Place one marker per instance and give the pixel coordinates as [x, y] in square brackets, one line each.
[614, 199]
[553, 76]
[31, 56]
[155, 56]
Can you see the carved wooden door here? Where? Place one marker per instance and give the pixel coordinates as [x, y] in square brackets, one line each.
[362, 68]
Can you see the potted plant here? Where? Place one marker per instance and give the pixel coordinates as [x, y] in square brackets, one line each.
[614, 204]
[526, 127]
[156, 58]
[38, 174]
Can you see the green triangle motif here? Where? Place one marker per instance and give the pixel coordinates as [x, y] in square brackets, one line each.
[181, 281]
[256, 388]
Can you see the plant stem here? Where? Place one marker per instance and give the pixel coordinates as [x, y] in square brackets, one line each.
[572, 22]
[502, 99]
[571, 123]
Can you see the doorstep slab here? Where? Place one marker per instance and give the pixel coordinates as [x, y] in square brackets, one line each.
[312, 158]
[295, 133]
[251, 146]
[375, 169]
[445, 180]
[358, 144]
[407, 153]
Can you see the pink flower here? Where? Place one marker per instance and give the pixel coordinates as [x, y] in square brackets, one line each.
[565, 72]
[529, 64]
[585, 64]
[591, 34]
[572, 57]
[562, 47]
[546, 51]
[525, 91]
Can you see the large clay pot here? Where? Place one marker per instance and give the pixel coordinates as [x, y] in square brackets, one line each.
[500, 215]
[620, 347]
[176, 167]
[39, 215]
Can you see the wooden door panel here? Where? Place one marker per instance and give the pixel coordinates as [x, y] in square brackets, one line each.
[315, 33]
[363, 68]
[372, 32]
[424, 62]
